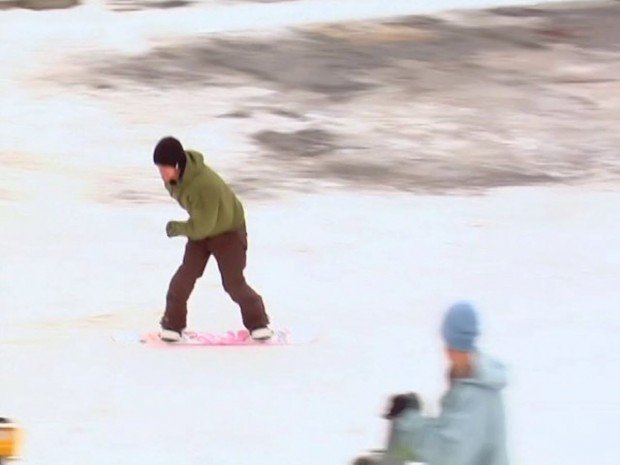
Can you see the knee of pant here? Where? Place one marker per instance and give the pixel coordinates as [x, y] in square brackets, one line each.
[189, 273]
[234, 286]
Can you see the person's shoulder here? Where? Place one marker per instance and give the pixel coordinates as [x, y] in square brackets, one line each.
[194, 153]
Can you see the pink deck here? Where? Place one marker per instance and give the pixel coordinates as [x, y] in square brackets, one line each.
[230, 338]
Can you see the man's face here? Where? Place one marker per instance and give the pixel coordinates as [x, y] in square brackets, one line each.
[461, 362]
[169, 174]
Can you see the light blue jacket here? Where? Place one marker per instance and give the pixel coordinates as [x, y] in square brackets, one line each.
[470, 429]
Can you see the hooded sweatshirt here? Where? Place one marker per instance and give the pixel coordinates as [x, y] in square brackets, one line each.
[471, 427]
[213, 207]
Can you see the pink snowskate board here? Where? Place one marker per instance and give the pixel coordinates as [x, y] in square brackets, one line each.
[281, 337]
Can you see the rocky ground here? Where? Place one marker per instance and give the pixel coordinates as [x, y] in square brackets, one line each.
[461, 101]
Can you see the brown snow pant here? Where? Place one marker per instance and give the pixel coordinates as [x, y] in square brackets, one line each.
[229, 250]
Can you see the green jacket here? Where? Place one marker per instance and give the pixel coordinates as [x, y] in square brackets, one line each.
[213, 207]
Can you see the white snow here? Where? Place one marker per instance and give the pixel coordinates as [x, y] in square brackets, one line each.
[133, 32]
[371, 272]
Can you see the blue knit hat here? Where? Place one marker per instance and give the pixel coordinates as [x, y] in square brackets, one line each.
[460, 327]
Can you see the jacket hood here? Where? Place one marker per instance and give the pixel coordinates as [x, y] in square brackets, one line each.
[195, 164]
[488, 373]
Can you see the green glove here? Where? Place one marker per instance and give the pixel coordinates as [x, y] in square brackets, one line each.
[174, 228]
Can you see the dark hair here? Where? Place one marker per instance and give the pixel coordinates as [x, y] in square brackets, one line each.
[168, 151]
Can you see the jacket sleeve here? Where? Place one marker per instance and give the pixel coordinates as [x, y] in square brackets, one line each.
[203, 213]
[456, 437]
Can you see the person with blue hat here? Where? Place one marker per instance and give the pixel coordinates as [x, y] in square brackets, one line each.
[470, 429]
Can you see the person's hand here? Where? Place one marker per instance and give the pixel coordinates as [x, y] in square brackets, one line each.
[173, 228]
[399, 403]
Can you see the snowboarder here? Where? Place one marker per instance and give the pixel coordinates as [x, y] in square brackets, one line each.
[470, 429]
[216, 226]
